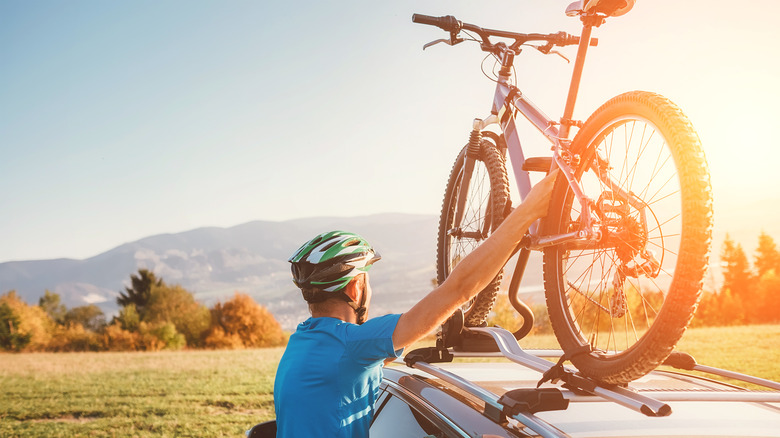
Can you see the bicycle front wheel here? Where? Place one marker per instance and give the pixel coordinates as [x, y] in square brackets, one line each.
[483, 209]
[630, 294]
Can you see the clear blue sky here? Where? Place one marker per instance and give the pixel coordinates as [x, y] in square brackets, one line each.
[120, 120]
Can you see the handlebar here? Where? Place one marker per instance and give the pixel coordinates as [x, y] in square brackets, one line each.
[454, 26]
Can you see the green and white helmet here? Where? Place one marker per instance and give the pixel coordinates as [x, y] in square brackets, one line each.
[331, 260]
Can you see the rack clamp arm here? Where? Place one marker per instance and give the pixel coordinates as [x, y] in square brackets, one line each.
[573, 381]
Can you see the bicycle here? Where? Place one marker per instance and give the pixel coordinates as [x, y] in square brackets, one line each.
[628, 233]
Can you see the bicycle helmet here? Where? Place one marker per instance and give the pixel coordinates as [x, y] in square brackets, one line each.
[329, 262]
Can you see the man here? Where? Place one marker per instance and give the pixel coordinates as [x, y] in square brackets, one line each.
[327, 380]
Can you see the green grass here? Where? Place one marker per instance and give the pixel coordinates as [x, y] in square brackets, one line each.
[196, 393]
[223, 393]
[752, 349]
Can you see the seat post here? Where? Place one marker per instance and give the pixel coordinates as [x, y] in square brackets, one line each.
[576, 76]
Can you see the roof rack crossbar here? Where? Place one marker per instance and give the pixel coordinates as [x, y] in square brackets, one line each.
[738, 376]
[511, 350]
[684, 361]
[698, 396]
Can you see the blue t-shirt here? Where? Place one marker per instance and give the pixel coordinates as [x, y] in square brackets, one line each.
[328, 378]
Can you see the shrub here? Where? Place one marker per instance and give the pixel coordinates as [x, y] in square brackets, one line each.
[115, 338]
[219, 340]
[74, 337]
[160, 336]
[243, 318]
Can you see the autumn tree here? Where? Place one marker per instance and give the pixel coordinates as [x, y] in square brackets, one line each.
[177, 305]
[10, 336]
[128, 318]
[90, 317]
[768, 290]
[140, 290]
[33, 321]
[155, 315]
[767, 256]
[50, 303]
[241, 322]
[737, 278]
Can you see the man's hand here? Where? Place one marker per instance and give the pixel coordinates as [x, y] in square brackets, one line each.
[538, 199]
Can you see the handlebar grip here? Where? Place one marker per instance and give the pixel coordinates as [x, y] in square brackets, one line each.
[448, 22]
[425, 19]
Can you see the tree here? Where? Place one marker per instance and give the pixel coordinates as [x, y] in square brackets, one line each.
[140, 291]
[50, 303]
[33, 321]
[10, 336]
[736, 271]
[128, 318]
[241, 318]
[768, 290]
[176, 305]
[767, 256]
[90, 317]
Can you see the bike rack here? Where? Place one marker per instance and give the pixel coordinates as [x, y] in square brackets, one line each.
[517, 406]
[622, 396]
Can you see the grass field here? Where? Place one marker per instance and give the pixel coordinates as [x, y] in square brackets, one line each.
[223, 393]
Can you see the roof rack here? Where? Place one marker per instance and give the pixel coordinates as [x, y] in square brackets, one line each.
[678, 359]
[422, 358]
[522, 406]
[684, 361]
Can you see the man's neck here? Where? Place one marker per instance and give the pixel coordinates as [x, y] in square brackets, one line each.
[333, 308]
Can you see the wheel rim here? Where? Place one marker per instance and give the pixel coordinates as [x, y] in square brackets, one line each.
[606, 308]
[475, 226]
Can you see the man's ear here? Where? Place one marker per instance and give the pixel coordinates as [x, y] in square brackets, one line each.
[355, 288]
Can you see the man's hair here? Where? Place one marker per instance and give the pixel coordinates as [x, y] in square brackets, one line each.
[315, 296]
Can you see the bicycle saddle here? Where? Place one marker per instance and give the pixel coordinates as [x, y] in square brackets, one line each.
[610, 8]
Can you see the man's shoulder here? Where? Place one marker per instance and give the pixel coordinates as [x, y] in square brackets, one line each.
[380, 326]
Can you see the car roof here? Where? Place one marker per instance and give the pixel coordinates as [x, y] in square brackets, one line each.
[700, 406]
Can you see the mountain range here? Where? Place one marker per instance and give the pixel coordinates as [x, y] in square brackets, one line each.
[214, 263]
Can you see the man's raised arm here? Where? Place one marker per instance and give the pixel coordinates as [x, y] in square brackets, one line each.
[476, 270]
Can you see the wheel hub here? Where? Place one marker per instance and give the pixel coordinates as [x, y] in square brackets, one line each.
[630, 238]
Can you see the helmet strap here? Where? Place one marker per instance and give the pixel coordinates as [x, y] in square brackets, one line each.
[360, 309]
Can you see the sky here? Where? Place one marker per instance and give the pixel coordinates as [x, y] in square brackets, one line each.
[121, 120]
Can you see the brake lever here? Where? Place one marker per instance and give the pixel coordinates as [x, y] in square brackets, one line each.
[449, 42]
[546, 49]
[561, 55]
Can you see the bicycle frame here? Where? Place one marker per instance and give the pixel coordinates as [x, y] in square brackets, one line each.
[506, 98]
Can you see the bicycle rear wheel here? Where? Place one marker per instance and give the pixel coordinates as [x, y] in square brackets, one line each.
[631, 295]
[484, 209]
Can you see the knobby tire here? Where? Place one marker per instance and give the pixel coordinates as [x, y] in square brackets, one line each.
[486, 206]
[648, 146]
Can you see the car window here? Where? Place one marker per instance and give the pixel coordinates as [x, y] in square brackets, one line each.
[396, 419]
